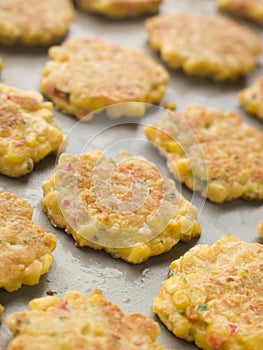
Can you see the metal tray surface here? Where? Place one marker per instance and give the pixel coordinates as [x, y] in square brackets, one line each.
[132, 287]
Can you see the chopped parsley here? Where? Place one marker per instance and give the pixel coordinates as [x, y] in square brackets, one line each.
[29, 165]
[201, 307]
[172, 273]
[63, 318]
[27, 321]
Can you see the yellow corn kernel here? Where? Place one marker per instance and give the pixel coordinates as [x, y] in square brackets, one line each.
[170, 105]
[31, 140]
[134, 109]
[176, 225]
[201, 338]
[170, 285]
[116, 111]
[180, 299]
[43, 150]
[98, 331]
[140, 253]
[246, 257]
[15, 156]
[174, 265]
[32, 273]
[187, 226]
[216, 192]
[173, 147]
[43, 303]
[46, 262]
[129, 109]
[197, 229]
[150, 132]
[96, 297]
[175, 284]
[183, 167]
[182, 328]
[157, 248]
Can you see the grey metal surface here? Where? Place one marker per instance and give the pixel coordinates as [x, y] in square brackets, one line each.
[131, 287]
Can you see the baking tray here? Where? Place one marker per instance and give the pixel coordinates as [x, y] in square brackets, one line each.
[132, 287]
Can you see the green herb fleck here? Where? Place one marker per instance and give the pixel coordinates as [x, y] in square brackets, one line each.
[172, 273]
[95, 238]
[102, 230]
[182, 277]
[116, 337]
[200, 183]
[29, 165]
[256, 279]
[172, 196]
[201, 307]
[63, 318]
[190, 332]
[54, 334]
[27, 321]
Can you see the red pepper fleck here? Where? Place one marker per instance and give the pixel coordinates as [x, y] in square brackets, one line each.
[75, 217]
[62, 305]
[69, 167]
[83, 113]
[257, 175]
[241, 6]
[215, 341]
[192, 317]
[66, 202]
[233, 327]
[254, 308]
[57, 93]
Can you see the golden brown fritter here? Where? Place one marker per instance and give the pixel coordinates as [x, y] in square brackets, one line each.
[34, 22]
[120, 9]
[123, 206]
[86, 75]
[80, 322]
[27, 131]
[212, 152]
[25, 248]
[251, 9]
[214, 296]
[202, 46]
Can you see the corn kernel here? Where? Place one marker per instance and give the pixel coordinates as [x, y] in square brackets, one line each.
[170, 105]
[183, 167]
[180, 300]
[216, 192]
[43, 304]
[182, 328]
[173, 147]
